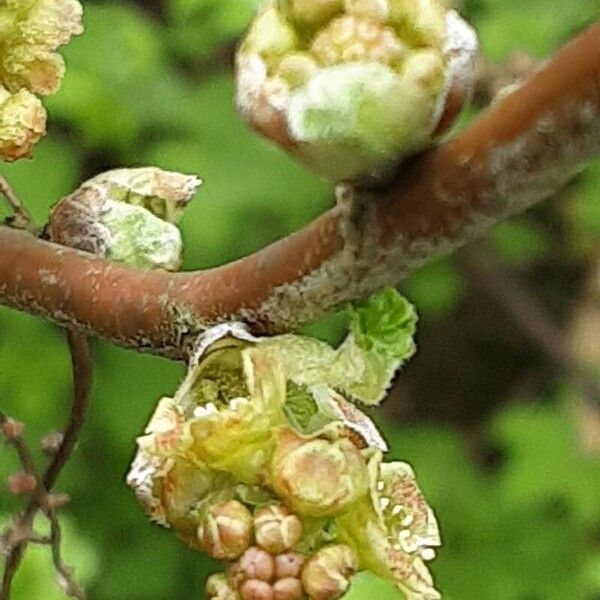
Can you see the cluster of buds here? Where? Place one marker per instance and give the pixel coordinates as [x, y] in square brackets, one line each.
[352, 87]
[30, 33]
[262, 460]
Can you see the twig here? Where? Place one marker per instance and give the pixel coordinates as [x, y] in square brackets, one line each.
[21, 219]
[81, 364]
[521, 150]
[82, 376]
[510, 294]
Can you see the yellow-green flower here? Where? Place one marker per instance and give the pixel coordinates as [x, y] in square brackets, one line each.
[394, 531]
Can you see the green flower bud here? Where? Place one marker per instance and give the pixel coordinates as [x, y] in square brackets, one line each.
[351, 88]
[225, 532]
[326, 575]
[219, 588]
[277, 529]
[318, 477]
[127, 216]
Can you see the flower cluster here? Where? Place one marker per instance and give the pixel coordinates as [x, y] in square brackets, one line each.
[262, 460]
[30, 33]
[351, 87]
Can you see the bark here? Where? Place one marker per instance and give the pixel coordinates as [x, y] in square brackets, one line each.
[520, 151]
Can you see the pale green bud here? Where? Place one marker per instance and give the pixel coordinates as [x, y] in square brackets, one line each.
[318, 477]
[277, 529]
[225, 532]
[219, 588]
[127, 216]
[326, 574]
[351, 88]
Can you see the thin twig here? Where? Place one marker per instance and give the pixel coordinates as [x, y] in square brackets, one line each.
[81, 364]
[22, 219]
[82, 376]
[510, 294]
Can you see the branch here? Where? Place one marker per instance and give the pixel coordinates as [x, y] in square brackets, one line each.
[20, 534]
[519, 152]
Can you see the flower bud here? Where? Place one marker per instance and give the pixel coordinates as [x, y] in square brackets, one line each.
[226, 530]
[12, 429]
[277, 529]
[289, 588]
[318, 477]
[352, 87]
[288, 565]
[255, 589]
[256, 563]
[126, 216]
[218, 588]
[21, 484]
[326, 575]
[51, 443]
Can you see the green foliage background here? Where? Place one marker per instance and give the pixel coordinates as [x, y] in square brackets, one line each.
[519, 502]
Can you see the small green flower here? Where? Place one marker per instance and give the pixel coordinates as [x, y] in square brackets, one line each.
[352, 87]
[395, 530]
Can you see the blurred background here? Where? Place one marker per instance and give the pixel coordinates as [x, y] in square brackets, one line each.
[499, 412]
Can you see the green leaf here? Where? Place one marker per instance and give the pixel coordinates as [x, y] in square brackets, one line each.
[386, 324]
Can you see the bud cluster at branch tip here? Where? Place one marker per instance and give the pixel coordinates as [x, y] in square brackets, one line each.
[263, 460]
[30, 33]
[352, 87]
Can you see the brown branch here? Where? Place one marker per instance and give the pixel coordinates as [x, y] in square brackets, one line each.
[520, 151]
[81, 364]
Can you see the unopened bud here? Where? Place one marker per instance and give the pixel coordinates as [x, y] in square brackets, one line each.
[318, 477]
[52, 442]
[12, 429]
[127, 216]
[20, 484]
[226, 530]
[255, 589]
[56, 501]
[326, 575]
[351, 87]
[277, 529]
[289, 588]
[219, 588]
[288, 565]
[256, 563]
